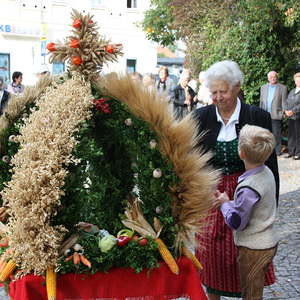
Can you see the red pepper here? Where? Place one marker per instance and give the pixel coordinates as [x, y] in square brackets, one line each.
[123, 240]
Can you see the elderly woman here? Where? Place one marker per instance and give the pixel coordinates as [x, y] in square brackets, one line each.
[222, 122]
[182, 97]
[293, 113]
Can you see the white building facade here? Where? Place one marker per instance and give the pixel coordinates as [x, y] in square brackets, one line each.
[27, 26]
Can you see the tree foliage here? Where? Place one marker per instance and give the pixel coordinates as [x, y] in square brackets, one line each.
[261, 35]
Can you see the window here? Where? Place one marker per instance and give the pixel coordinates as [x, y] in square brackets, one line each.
[97, 3]
[131, 3]
[58, 68]
[131, 65]
[5, 67]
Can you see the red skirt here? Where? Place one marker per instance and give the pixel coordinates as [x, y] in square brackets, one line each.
[217, 252]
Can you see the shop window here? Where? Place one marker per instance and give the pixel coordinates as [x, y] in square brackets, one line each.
[5, 67]
[131, 3]
[58, 68]
[131, 65]
[97, 3]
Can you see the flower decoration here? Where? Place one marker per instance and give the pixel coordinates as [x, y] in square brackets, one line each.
[109, 48]
[51, 47]
[153, 144]
[76, 23]
[74, 43]
[6, 159]
[128, 122]
[102, 106]
[157, 173]
[76, 60]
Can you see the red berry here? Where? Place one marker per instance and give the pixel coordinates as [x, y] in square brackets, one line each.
[143, 242]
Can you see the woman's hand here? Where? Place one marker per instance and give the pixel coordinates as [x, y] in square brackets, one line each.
[289, 113]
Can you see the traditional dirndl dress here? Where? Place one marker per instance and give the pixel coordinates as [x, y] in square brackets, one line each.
[216, 250]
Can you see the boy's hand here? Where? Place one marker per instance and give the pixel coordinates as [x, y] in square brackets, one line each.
[220, 198]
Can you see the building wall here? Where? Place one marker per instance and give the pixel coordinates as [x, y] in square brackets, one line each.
[21, 30]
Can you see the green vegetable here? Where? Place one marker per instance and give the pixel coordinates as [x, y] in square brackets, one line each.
[107, 242]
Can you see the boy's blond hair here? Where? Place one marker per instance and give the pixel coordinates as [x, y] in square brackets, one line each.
[256, 143]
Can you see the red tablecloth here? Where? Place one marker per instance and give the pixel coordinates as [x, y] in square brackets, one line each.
[118, 284]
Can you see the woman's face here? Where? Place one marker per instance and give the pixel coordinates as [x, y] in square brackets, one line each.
[19, 79]
[163, 75]
[297, 81]
[184, 82]
[223, 96]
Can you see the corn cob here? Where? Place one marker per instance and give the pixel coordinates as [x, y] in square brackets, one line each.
[186, 252]
[7, 270]
[51, 283]
[2, 265]
[167, 256]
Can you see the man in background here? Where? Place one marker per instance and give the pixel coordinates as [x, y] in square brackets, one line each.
[272, 99]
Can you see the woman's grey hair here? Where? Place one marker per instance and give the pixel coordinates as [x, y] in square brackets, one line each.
[226, 70]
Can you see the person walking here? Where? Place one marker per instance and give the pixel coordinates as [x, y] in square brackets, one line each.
[219, 127]
[252, 213]
[292, 111]
[272, 99]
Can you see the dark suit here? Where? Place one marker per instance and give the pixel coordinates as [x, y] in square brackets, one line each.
[293, 103]
[207, 121]
[3, 101]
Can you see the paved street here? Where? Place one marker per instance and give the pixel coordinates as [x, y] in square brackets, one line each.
[287, 261]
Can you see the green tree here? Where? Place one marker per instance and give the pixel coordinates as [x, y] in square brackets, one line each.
[261, 35]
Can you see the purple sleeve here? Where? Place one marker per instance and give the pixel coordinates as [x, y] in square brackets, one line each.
[237, 212]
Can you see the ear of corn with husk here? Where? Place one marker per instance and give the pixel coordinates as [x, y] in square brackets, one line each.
[137, 222]
[51, 283]
[8, 269]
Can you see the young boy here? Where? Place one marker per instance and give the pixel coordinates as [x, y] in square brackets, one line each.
[252, 213]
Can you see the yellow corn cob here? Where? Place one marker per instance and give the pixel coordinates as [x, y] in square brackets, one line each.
[167, 256]
[7, 270]
[186, 252]
[51, 283]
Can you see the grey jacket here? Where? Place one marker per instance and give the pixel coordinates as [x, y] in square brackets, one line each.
[278, 102]
[293, 103]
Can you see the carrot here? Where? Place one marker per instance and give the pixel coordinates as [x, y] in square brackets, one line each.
[69, 258]
[186, 252]
[76, 258]
[85, 261]
[167, 256]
